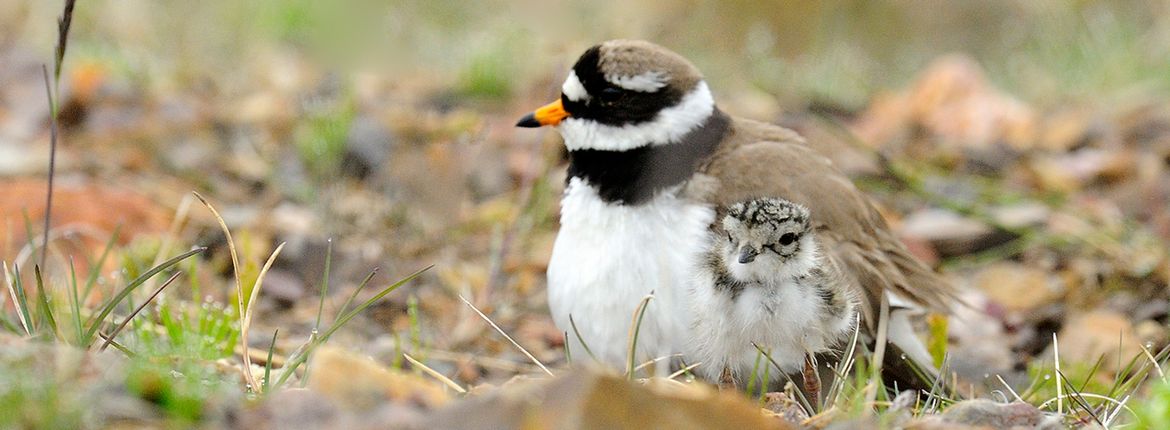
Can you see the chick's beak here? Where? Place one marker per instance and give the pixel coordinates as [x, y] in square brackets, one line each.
[550, 114]
[747, 254]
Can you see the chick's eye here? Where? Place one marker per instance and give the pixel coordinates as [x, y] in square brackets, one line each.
[610, 94]
[787, 239]
[729, 239]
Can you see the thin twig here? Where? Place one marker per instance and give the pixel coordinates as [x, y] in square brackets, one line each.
[63, 25]
[249, 377]
[1059, 384]
[652, 361]
[20, 311]
[480, 360]
[684, 370]
[1009, 388]
[803, 400]
[1157, 366]
[52, 143]
[247, 320]
[879, 348]
[434, 374]
[635, 329]
[1079, 399]
[501, 331]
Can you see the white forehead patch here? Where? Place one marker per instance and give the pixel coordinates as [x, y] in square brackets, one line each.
[648, 82]
[573, 88]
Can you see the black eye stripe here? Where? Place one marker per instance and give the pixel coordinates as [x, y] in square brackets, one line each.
[627, 107]
[610, 94]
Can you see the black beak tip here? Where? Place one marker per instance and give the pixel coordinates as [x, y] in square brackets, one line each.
[529, 121]
[745, 259]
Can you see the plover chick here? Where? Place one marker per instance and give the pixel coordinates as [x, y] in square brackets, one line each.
[764, 280]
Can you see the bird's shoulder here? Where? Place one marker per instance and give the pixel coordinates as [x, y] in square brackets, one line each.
[763, 160]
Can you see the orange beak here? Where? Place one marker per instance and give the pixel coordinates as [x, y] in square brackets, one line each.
[550, 114]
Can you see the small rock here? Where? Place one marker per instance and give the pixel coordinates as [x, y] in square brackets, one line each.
[1017, 287]
[586, 400]
[80, 206]
[951, 234]
[367, 147]
[293, 220]
[978, 347]
[283, 286]
[359, 384]
[785, 408]
[1152, 334]
[1067, 130]
[293, 408]
[1156, 309]
[953, 101]
[1087, 337]
[983, 412]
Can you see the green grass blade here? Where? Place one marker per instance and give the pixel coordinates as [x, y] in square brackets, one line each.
[362, 307]
[800, 397]
[122, 348]
[96, 270]
[321, 301]
[75, 301]
[268, 363]
[96, 322]
[43, 302]
[21, 299]
[137, 310]
[580, 340]
[324, 287]
[299, 359]
[352, 296]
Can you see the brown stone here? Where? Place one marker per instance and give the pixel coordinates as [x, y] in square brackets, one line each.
[1017, 287]
[358, 383]
[1087, 337]
[585, 400]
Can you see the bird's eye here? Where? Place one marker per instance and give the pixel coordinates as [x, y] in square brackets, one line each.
[729, 239]
[610, 94]
[787, 239]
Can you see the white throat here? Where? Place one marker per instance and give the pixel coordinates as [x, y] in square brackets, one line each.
[669, 126]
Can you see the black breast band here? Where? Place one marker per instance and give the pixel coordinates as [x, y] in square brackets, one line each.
[634, 176]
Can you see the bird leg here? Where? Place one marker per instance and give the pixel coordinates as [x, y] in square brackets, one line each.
[812, 380]
[726, 380]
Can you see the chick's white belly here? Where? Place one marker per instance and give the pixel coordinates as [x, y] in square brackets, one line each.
[783, 322]
[607, 257]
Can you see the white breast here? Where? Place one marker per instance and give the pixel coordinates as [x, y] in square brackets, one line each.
[607, 257]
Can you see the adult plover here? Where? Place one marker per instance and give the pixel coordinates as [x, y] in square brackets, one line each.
[763, 282]
[651, 159]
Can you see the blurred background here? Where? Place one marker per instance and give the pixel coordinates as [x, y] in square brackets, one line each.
[1021, 147]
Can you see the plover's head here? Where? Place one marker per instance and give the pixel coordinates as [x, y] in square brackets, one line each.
[626, 94]
[768, 238]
